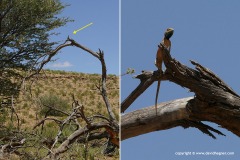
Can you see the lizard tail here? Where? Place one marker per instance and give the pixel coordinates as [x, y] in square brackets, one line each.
[158, 87]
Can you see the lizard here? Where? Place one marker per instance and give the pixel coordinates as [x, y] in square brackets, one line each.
[159, 57]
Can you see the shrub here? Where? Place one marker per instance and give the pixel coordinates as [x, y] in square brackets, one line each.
[37, 92]
[115, 93]
[3, 116]
[25, 105]
[23, 121]
[31, 116]
[54, 102]
[63, 93]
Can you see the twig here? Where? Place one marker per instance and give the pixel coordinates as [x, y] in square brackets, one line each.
[47, 118]
[63, 124]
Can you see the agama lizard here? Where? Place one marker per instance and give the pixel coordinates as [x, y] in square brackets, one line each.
[159, 57]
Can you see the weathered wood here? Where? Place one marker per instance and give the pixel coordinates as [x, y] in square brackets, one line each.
[145, 120]
[147, 78]
[214, 101]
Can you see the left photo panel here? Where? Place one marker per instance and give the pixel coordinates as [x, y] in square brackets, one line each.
[59, 79]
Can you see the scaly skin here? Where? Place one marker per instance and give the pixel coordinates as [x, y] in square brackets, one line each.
[159, 57]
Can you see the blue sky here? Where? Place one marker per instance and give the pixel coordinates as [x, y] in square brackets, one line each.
[103, 34]
[206, 31]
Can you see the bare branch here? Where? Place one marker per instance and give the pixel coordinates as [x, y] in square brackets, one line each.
[145, 120]
[100, 117]
[45, 119]
[214, 101]
[73, 137]
[170, 114]
[99, 56]
[93, 136]
[147, 78]
[104, 92]
[74, 43]
[109, 123]
[55, 109]
[63, 124]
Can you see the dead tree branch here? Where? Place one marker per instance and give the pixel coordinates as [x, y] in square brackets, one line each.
[214, 101]
[107, 127]
[147, 78]
[170, 114]
[63, 124]
[99, 55]
[73, 137]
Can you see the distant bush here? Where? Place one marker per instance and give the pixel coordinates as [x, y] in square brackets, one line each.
[69, 85]
[30, 116]
[23, 121]
[50, 130]
[60, 72]
[115, 93]
[3, 116]
[25, 105]
[37, 91]
[63, 92]
[111, 75]
[54, 102]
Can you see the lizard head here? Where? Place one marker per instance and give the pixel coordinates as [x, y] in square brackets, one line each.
[169, 32]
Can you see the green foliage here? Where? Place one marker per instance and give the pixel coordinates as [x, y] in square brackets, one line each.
[59, 72]
[30, 116]
[116, 113]
[55, 102]
[25, 105]
[68, 130]
[25, 30]
[63, 93]
[115, 93]
[69, 85]
[23, 121]
[50, 130]
[3, 116]
[129, 71]
[37, 91]
[111, 75]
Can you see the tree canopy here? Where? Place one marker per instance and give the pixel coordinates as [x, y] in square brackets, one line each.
[25, 31]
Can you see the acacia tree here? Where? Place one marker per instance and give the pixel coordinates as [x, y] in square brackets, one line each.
[25, 29]
[214, 101]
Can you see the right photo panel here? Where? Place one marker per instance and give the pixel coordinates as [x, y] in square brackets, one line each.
[179, 80]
